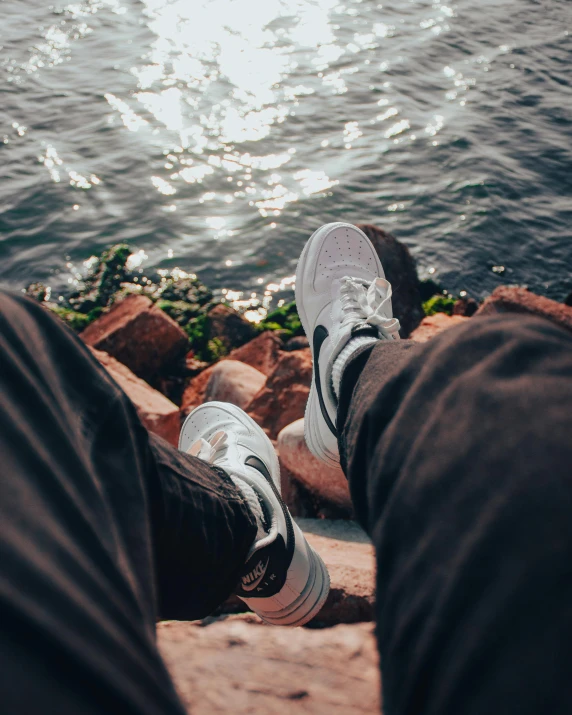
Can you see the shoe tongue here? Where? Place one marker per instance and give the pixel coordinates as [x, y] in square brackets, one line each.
[201, 449]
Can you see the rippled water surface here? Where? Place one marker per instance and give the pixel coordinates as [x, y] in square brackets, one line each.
[216, 135]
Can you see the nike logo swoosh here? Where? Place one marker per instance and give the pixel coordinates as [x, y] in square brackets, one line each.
[251, 586]
[320, 334]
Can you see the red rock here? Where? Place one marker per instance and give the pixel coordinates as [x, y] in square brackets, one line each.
[242, 666]
[229, 326]
[298, 500]
[298, 342]
[235, 382]
[509, 299]
[349, 556]
[283, 399]
[400, 271]
[156, 412]
[328, 485]
[465, 306]
[139, 335]
[194, 394]
[432, 325]
[261, 353]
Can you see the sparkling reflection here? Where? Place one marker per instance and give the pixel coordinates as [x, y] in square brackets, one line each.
[243, 115]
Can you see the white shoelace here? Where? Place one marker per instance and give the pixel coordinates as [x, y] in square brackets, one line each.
[211, 450]
[366, 301]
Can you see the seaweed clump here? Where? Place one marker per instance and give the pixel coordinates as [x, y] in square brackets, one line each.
[284, 319]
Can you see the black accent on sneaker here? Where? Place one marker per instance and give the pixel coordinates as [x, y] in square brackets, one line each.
[256, 463]
[320, 334]
[265, 572]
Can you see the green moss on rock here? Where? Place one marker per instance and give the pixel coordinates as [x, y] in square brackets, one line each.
[439, 304]
[197, 331]
[103, 281]
[187, 290]
[285, 319]
[76, 321]
[181, 311]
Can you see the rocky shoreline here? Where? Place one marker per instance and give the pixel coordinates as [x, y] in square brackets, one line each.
[171, 344]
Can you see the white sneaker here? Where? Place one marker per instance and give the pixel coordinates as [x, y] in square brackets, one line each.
[341, 292]
[284, 580]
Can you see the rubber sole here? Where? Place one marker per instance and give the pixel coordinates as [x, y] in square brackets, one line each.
[310, 601]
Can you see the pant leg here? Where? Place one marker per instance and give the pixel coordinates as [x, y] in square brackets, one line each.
[459, 457]
[100, 530]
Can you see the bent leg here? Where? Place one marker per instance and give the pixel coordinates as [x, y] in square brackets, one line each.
[459, 457]
[99, 531]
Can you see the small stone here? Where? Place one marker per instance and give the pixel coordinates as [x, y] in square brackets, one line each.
[283, 399]
[139, 335]
[432, 325]
[193, 366]
[156, 412]
[326, 484]
[234, 382]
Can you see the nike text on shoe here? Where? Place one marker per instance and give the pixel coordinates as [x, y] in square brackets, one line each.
[284, 580]
[341, 293]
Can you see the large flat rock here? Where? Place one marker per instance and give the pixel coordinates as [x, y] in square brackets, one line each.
[240, 665]
[349, 556]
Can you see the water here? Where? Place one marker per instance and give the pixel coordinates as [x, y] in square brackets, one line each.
[216, 135]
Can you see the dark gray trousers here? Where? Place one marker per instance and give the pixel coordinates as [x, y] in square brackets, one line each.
[459, 457]
[103, 529]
